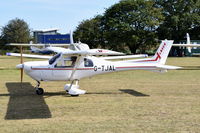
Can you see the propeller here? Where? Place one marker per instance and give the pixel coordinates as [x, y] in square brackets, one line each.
[21, 61]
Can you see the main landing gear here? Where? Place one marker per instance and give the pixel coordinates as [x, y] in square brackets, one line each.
[39, 91]
[73, 89]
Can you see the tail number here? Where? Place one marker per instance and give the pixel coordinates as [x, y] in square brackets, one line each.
[104, 68]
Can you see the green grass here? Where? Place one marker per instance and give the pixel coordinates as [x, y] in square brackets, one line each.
[132, 101]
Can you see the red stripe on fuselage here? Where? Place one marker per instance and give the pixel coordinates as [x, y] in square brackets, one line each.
[92, 68]
[156, 59]
[136, 67]
[62, 68]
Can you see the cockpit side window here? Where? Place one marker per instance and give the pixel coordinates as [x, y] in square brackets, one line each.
[53, 59]
[66, 62]
[88, 63]
[71, 62]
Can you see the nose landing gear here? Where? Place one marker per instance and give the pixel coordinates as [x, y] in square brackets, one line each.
[39, 91]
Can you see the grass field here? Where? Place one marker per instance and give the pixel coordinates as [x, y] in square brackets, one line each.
[132, 101]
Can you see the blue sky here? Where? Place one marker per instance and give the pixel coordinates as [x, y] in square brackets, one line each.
[44, 14]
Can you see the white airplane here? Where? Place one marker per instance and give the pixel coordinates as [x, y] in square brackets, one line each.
[50, 48]
[188, 44]
[45, 48]
[71, 47]
[75, 65]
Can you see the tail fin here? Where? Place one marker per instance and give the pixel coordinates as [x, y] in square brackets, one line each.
[188, 38]
[188, 42]
[163, 51]
[71, 37]
[161, 54]
[33, 48]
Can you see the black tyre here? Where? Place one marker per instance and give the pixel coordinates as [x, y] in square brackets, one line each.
[74, 95]
[40, 91]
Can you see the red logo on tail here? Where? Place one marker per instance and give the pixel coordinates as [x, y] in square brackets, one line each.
[162, 48]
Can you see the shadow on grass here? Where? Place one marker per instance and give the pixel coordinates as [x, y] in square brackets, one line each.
[103, 93]
[51, 94]
[24, 103]
[129, 91]
[134, 93]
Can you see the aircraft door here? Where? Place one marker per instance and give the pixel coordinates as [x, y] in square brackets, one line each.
[63, 69]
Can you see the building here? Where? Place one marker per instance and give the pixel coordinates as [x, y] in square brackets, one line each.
[50, 36]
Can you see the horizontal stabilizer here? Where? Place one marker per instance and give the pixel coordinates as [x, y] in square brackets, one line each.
[168, 67]
[164, 68]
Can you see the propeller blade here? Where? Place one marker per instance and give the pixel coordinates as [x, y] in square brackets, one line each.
[22, 74]
[21, 61]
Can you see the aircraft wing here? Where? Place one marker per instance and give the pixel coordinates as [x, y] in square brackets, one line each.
[27, 44]
[29, 55]
[93, 52]
[58, 49]
[104, 52]
[187, 45]
[124, 57]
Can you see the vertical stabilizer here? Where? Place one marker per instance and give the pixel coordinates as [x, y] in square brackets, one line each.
[71, 37]
[188, 42]
[163, 51]
[161, 54]
[33, 48]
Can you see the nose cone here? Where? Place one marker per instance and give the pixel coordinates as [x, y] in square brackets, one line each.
[20, 66]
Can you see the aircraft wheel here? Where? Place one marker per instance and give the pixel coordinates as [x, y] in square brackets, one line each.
[74, 95]
[39, 91]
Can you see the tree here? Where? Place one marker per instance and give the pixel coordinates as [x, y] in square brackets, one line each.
[89, 31]
[132, 23]
[16, 31]
[181, 16]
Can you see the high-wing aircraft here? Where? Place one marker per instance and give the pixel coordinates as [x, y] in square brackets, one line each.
[45, 48]
[50, 48]
[188, 44]
[73, 65]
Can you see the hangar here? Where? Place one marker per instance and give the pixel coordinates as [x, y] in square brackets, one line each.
[50, 36]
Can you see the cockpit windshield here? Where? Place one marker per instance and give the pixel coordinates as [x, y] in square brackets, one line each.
[53, 59]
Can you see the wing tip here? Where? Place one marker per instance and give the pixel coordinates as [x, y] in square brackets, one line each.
[8, 54]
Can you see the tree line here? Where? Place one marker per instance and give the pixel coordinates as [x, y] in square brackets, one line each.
[137, 25]
[131, 26]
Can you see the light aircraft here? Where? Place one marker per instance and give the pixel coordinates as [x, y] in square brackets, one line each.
[50, 48]
[46, 48]
[188, 44]
[73, 65]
